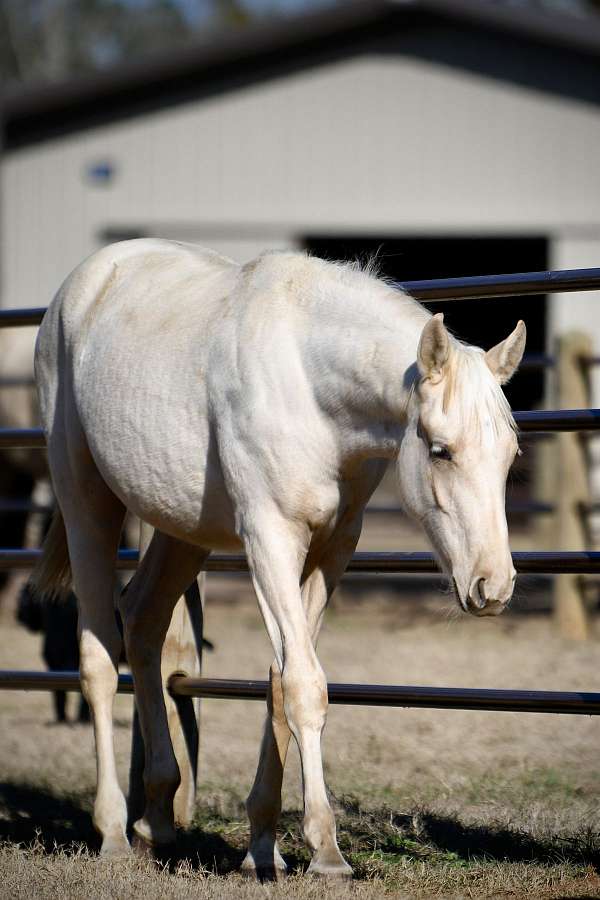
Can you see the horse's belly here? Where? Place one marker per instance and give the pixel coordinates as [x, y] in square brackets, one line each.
[160, 460]
[195, 508]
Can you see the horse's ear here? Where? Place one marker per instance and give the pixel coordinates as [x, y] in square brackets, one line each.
[504, 358]
[434, 347]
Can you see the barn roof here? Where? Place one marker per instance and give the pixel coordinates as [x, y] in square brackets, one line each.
[238, 57]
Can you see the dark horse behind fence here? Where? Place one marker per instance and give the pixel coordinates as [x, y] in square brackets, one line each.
[56, 619]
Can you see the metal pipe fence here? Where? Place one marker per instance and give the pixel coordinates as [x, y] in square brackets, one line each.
[476, 287]
[483, 287]
[526, 562]
[528, 421]
[576, 562]
[389, 695]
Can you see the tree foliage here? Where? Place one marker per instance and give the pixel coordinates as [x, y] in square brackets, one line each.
[45, 40]
[54, 39]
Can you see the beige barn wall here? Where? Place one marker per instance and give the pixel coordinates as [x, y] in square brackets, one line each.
[372, 144]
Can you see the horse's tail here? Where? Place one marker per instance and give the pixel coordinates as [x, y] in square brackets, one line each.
[52, 574]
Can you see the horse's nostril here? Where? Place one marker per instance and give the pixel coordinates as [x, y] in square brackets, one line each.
[480, 597]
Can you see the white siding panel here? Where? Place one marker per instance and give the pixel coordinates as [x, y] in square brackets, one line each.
[372, 144]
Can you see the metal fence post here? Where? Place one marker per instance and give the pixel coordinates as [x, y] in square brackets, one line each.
[571, 482]
[182, 653]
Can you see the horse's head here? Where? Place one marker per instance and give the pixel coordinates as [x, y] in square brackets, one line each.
[454, 459]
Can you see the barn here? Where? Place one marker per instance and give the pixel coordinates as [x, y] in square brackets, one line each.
[447, 137]
[453, 137]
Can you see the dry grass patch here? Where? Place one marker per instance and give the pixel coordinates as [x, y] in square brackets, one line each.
[429, 803]
[418, 852]
[414, 854]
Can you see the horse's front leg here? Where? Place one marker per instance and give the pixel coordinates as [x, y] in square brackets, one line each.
[264, 802]
[299, 697]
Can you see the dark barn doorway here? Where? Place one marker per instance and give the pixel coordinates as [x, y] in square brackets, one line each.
[481, 322]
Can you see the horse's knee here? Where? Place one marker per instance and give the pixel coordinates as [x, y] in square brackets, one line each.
[275, 701]
[97, 668]
[305, 698]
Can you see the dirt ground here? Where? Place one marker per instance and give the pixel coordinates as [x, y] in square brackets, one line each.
[429, 802]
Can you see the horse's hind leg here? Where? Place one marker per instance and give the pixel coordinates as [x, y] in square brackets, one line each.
[93, 517]
[167, 570]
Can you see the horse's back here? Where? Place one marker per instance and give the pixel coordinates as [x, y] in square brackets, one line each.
[141, 261]
[121, 281]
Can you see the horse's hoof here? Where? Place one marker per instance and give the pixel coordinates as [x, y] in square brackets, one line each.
[153, 837]
[335, 869]
[272, 870]
[115, 848]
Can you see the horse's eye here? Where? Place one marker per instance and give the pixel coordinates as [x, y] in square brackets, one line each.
[439, 451]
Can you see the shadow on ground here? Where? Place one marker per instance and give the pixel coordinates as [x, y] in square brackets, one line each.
[29, 813]
[502, 844]
[217, 841]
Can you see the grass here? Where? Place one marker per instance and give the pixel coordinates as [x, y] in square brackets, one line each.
[416, 853]
[428, 803]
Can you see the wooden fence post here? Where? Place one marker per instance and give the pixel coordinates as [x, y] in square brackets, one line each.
[572, 490]
[182, 653]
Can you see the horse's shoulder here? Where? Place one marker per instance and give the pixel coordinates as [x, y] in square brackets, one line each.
[271, 266]
[280, 264]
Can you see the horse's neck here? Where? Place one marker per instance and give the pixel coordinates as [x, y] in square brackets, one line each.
[366, 372]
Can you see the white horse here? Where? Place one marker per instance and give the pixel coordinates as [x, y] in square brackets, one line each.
[255, 407]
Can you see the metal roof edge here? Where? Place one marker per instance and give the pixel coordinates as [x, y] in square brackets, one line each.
[36, 112]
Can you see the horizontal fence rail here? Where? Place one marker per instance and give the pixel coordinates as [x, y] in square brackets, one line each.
[527, 420]
[22, 439]
[515, 508]
[480, 287]
[447, 289]
[17, 381]
[531, 361]
[557, 419]
[526, 562]
[391, 695]
[16, 318]
[402, 695]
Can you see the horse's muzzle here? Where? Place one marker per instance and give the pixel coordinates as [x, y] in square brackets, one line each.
[483, 600]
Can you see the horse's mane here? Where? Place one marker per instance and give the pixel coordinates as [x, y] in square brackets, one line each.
[365, 288]
[471, 385]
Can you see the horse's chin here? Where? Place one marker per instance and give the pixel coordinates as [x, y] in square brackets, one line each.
[491, 609]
